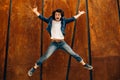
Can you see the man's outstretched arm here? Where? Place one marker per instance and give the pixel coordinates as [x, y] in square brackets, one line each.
[68, 20]
[39, 15]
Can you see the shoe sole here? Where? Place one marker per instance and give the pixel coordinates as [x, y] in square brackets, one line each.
[88, 68]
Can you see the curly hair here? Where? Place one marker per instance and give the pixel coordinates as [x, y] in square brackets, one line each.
[58, 10]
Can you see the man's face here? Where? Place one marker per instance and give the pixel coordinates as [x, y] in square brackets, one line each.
[57, 16]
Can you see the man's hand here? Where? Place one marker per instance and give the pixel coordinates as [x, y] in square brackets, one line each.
[81, 12]
[36, 11]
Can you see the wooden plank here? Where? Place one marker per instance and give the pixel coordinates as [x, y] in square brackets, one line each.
[4, 7]
[24, 47]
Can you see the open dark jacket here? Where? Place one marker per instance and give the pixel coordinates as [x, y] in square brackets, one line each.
[64, 21]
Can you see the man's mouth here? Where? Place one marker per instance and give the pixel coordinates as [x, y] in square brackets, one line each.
[57, 18]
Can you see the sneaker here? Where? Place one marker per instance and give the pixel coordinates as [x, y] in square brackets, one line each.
[87, 66]
[30, 72]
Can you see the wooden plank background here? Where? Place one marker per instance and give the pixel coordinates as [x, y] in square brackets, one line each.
[25, 40]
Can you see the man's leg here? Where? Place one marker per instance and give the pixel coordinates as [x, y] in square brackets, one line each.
[68, 49]
[48, 53]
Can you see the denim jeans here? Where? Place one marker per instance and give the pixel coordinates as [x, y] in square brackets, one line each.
[58, 45]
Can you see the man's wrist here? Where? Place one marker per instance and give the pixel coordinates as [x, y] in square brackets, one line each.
[37, 13]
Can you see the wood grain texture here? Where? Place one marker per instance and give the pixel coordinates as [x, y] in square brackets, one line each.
[4, 7]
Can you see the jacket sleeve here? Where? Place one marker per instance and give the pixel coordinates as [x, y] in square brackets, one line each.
[43, 18]
[68, 20]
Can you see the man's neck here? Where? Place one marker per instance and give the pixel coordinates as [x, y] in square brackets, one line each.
[57, 20]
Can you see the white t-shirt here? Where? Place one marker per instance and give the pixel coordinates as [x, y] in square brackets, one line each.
[56, 30]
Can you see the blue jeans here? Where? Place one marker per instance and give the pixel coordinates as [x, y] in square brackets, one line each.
[58, 45]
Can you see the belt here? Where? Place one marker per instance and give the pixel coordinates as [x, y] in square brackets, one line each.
[57, 40]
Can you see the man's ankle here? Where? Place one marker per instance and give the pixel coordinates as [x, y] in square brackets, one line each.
[82, 62]
[36, 66]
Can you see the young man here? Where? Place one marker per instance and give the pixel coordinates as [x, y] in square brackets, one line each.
[56, 28]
